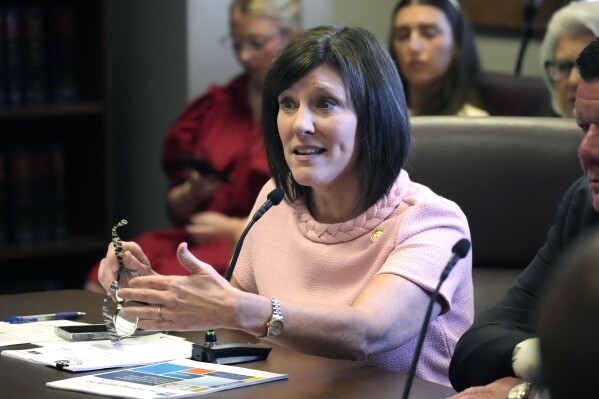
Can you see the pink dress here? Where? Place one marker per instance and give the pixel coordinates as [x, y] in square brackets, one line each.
[290, 256]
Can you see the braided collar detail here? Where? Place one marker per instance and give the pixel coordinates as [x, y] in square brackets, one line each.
[351, 229]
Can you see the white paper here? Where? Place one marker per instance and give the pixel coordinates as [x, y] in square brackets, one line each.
[175, 379]
[96, 355]
[40, 333]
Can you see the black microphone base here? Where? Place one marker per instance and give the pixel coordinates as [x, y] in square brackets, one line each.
[229, 353]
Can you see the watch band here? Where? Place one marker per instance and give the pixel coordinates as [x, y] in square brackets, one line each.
[520, 390]
[274, 326]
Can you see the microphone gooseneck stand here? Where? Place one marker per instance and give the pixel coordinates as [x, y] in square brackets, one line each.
[211, 350]
[528, 17]
[459, 250]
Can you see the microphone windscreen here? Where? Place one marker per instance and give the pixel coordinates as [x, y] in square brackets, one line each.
[461, 248]
[276, 196]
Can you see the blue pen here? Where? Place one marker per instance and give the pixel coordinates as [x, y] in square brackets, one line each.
[43, 317]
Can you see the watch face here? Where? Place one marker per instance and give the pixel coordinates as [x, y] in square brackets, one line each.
[275, 328]
[519, 391]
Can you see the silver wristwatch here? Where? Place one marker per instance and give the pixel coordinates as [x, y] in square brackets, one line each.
[520, 391]
[275, 325]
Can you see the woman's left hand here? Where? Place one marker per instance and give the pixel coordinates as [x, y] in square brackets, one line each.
[195, 302]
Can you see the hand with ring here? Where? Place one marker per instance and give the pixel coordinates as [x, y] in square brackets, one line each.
[159, 313]
[182, 303]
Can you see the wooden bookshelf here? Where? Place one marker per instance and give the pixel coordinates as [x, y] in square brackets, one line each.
[56, 218]
[45, 111]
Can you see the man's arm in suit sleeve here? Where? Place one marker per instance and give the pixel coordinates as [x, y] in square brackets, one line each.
[484, 353]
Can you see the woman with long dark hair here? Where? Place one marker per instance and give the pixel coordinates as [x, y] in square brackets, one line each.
[433, 47]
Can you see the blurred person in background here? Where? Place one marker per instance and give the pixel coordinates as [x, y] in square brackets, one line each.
[222, 126]
[569, 30]
[433, 47]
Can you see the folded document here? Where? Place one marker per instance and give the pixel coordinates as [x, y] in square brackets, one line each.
[39, 333]
[174, 379]
[96, 355]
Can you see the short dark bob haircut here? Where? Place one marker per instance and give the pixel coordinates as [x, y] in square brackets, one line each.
[384, 132]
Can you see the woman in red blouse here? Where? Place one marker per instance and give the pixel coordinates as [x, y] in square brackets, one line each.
[222, 126]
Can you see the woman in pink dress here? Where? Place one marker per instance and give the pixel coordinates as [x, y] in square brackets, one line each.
[346, 265]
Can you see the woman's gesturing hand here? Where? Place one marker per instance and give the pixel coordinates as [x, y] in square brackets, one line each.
[199, 301]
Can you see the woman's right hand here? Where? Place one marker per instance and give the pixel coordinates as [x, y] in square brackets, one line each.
[134, 260]
[185, 199]
[201, 188]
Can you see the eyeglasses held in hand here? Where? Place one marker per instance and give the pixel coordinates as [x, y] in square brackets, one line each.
[559, 69]
[117, 325]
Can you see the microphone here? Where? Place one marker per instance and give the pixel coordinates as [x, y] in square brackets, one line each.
[459, 251]
[528, 17]
[530, 10]
[222, 353]
[273, 198]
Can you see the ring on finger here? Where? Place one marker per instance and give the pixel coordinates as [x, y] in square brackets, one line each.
[159, 313]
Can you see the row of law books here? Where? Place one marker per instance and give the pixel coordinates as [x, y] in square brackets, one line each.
[32, 195]
[39, 55]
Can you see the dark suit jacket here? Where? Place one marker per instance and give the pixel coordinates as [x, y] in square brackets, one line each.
[484, 353]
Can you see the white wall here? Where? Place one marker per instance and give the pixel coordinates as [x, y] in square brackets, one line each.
[164, 53]
[208, 61]
[499, 53]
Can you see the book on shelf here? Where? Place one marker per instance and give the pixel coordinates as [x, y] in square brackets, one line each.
[42, 206]
[39, 54]
[4, 222]
[3, 69]
[64, 53]
[13, 57]
[35, 86]
[58, 205]
[35, 194]
[174, 379]
[22, 195]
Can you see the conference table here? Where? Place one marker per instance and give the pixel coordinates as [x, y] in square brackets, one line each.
[309, 376]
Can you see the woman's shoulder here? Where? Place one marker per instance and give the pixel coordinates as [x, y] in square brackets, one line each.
[423, 203]
[219, 97]
[471, 110]
[234, 89]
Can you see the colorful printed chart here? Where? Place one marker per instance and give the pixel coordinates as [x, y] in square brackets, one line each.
[175, 379]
